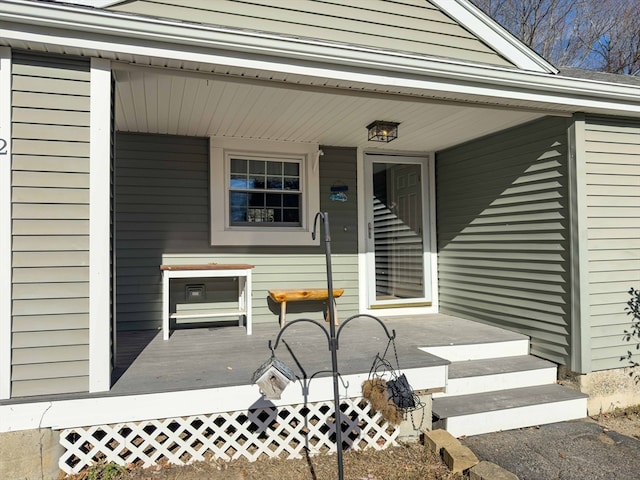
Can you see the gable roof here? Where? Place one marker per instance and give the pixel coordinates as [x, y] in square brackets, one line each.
[241, 54]
[593, 75]
[450, 29]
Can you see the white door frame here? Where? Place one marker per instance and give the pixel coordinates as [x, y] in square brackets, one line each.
[364, 277]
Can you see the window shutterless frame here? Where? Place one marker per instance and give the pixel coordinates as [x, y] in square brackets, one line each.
[263, 193]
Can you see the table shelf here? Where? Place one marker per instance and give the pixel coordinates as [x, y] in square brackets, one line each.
[225, 313]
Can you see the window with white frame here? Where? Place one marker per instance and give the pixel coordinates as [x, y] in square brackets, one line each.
[263, 193]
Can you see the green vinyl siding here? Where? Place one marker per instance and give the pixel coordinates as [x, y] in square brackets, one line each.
[503, 233]
[416, 27]
[612, 189]
[50, 224]
[162, 216]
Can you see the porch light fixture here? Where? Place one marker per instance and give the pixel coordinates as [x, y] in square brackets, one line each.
[382, 131]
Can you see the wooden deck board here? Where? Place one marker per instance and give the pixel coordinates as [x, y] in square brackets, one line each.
[226, 356]
[223, 356]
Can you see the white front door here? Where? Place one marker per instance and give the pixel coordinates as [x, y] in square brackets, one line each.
[398, 233]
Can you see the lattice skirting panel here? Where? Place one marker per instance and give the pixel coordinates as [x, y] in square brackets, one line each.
[255, 434]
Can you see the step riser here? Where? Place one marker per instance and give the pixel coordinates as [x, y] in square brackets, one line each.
[502, 381]
[461, 353]
[509, 419]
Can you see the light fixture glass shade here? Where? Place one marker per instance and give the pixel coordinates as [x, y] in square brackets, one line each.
[382, 131]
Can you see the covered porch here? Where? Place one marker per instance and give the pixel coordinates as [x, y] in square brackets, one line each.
[224, 356]
[190, 397]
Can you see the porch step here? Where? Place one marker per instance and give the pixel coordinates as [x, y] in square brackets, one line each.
[460, 352]
[493, 411]
[476, 376]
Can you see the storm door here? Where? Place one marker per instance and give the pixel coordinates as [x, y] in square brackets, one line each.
[397, 235]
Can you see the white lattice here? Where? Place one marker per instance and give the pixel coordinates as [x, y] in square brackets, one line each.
[265, 432]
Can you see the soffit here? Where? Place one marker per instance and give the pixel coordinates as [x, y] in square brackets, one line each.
[156, 101]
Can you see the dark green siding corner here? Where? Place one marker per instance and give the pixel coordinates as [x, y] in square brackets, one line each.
[503, 233]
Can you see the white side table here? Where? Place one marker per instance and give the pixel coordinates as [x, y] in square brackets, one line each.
[242, 271]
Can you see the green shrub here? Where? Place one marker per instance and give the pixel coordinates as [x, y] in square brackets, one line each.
[633, 309]
[105, 471]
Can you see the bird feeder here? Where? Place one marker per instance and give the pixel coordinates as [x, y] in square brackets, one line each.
[272, 377]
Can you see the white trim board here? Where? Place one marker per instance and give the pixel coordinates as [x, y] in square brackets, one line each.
[133, 408]
[493, 34]
[99, 227]
[5, 222]
[91, 3]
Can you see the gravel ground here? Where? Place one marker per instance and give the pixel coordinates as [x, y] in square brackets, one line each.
[626, 422]
[406, 462]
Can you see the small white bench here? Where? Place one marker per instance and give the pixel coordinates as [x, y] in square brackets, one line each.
[242, 271]
[282, 296]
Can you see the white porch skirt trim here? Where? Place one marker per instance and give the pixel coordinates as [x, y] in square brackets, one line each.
[259, 433]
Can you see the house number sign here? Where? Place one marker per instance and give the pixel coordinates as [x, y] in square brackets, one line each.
[3, 146]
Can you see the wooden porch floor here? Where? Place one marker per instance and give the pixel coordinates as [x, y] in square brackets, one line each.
[225, 356]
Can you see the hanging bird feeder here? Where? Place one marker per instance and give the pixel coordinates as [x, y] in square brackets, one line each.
[272, 377]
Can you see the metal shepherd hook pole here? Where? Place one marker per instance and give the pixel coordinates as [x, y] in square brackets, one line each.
[333, 343]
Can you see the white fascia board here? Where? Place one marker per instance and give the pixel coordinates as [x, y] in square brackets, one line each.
[156, 38]
[91, 3]
[5, 223]
[494, 35]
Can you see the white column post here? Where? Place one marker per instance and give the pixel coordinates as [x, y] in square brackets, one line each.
[5, 222]
[99, 227]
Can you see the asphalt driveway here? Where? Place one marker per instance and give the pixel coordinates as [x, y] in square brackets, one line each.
[578, 450]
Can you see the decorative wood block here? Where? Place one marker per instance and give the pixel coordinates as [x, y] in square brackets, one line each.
[436, 440]
[459, 458]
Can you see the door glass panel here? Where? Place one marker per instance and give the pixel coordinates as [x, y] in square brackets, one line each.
[398, 231]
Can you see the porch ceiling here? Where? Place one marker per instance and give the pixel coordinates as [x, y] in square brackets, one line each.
[238, 104]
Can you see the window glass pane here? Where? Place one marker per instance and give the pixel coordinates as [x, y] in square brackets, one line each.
[274, 168]
[291, 200]
[256, 166]
[238, 210]
[238, 214]
[291, 183]
[292, 168]
[290, 215]
[260, 203]
[274, 183]
[256, 182]
[238, 165]
[274, 200]
[238, 199]
[256, 199]
[238, 181]
[260, 215]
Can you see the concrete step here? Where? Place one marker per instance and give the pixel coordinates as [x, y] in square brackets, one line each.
[516, 345]
[507, 409]
[475, 376]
